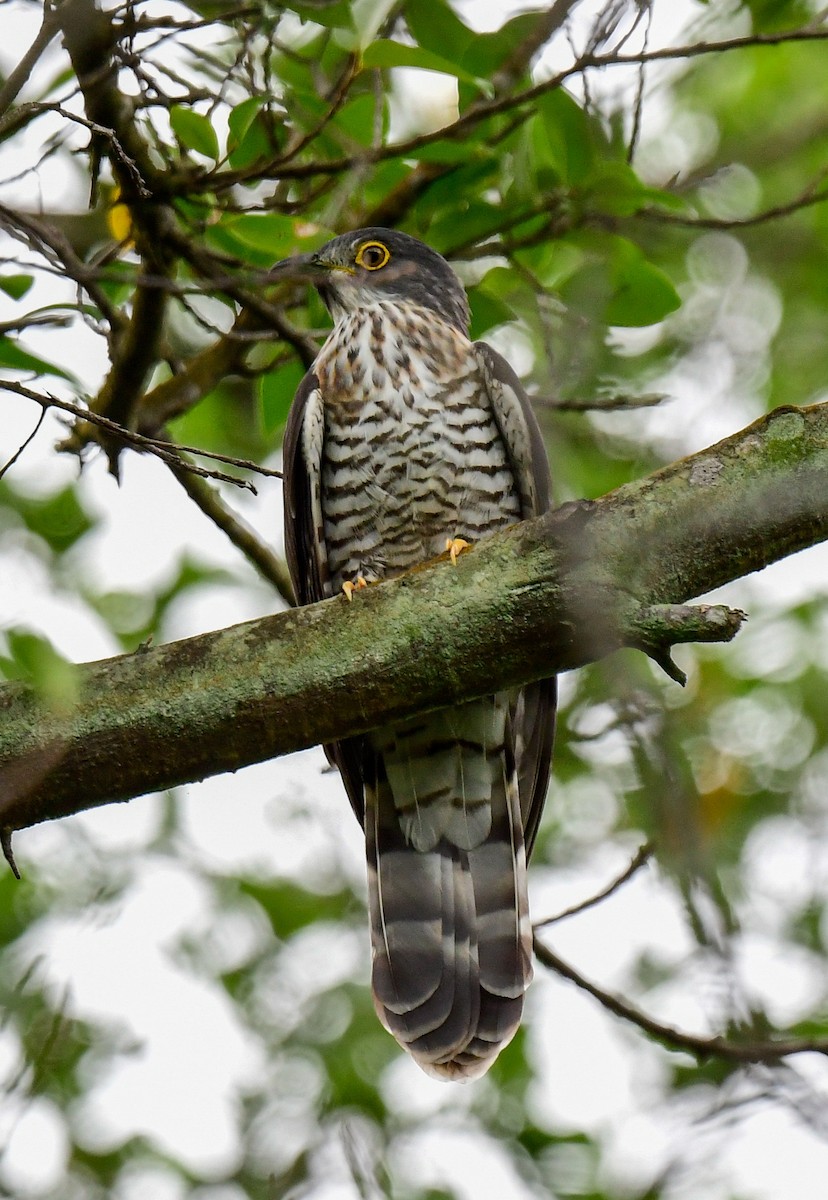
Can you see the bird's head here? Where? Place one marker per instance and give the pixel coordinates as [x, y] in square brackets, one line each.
[371, 265]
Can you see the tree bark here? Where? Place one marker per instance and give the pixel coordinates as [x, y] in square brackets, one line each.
[543, 597]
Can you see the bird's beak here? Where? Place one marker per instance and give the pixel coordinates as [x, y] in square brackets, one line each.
[307, 268]
[301, 268]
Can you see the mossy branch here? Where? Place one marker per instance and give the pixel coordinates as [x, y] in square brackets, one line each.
[543, 597]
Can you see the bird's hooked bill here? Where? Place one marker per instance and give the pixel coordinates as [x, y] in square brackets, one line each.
[300, 268]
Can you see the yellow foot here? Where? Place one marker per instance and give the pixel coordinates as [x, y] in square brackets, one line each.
[349, 588]
[456, 546]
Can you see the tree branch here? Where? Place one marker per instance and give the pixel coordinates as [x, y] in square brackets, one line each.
[19, 77]
[209, 500]
[169, 452]
[90, 38]
[542, 597]
[482, 110]
[736, 1048]
[806, 199]
[642, 856]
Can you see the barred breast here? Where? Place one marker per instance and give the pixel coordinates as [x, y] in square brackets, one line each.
[411, 453]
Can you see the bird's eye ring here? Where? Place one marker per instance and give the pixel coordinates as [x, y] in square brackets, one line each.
[372, 255]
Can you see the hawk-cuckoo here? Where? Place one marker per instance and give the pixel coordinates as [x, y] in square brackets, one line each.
[406, 438]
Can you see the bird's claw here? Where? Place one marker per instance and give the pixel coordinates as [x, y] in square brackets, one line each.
[456, 546]
[349, 588]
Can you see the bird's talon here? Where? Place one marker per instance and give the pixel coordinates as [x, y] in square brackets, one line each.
[456, 546]
[349, 588]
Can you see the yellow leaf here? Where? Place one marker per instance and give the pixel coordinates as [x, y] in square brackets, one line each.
[119, 220]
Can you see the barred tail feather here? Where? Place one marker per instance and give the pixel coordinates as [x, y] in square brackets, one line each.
[447, 887]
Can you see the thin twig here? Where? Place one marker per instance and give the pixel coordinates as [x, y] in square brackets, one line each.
[162, 449]
[269, 565]
[19, 77]
[614, 402]
[102, 131]
[765, 1050]
[475, 114]
[642, 855]
[56, 249]
[245, 463]
[805, 200]
[205, 264]
[521, 57]
[27, 442]
[639, 90]
[336, 98]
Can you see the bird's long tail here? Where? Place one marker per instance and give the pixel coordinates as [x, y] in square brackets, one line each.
[452, 941]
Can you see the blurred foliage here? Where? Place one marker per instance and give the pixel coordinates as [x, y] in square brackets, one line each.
[690, 263]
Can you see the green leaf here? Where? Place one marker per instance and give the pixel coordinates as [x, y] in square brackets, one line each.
[241, 118]
[436, 27]
[291, 908]
[259, 144]
[59, 519]
[662, 198]
[454, 151]
[16, 286]
[358, 118]
[255, 133]
[552, 264]
[470, 179]
[194, 131]
[643, 295]
[118, 290]
[13, 356]
[333, 14]
[616, 284]
[467, 220]
[35, 660]
[566, 136]
[489, 51]
[615, 189]
[486, 312]
[262, 238]
[276, 391]
[224, 420]
[258, 244]
[269, 232]
[386, 53]
[135, 616]
[377, 185]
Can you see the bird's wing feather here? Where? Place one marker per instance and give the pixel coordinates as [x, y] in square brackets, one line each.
[305, 543]
[519, 429]
[533, 714]
[533, 723]
[301, 464]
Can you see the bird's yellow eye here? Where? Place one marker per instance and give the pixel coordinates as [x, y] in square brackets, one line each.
[372, 255]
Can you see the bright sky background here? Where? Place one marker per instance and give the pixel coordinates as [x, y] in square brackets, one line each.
[194, 1054]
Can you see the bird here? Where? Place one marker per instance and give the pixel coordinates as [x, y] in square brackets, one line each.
[406, 438]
